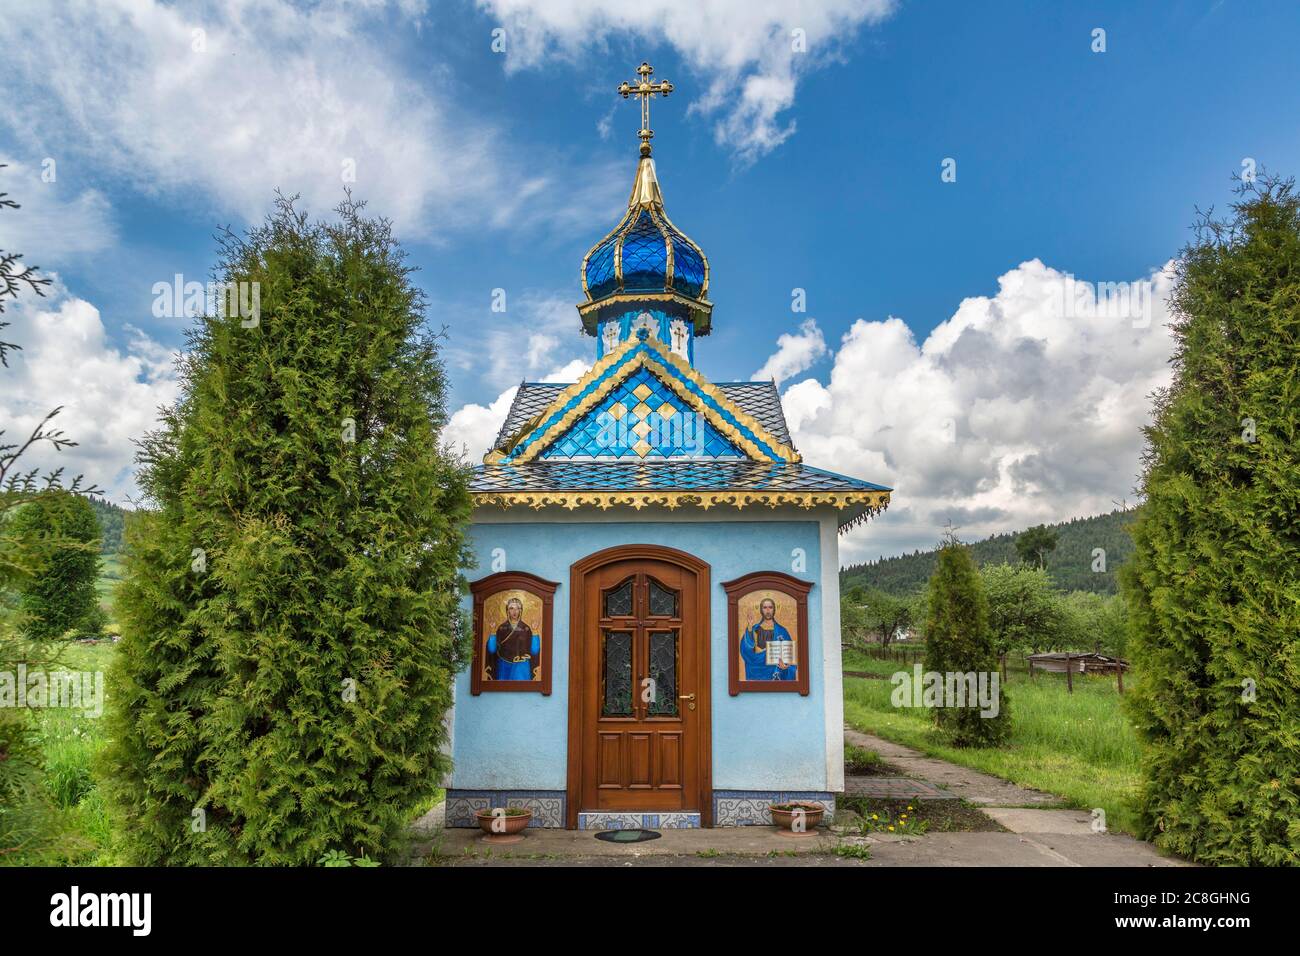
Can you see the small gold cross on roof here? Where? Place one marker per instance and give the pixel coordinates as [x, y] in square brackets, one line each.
[644, 90]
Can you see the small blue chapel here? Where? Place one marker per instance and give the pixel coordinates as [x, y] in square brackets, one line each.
[656, 604]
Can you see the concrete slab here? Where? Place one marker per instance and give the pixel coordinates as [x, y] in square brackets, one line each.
[894, 788]
[1021, 820]
[748, 841]
[704, 848]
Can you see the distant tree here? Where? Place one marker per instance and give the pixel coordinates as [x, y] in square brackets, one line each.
[112, 519]
[853, 621]
[1096, 622]
[1035, 544]
[958, 640]
[1088, 554]
[59, 596]
[1025, 612]
[886, 615]
[1214, 585]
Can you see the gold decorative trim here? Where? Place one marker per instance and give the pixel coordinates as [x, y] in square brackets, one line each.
[875, 501]
[668, 249]
[587, 258]
[702, 306]
[783, 451]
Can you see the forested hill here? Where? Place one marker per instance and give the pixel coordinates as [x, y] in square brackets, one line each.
[1070, 565]
[111, 518]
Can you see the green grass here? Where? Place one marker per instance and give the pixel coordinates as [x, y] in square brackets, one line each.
[1079, 746]
[110, 572]
[79, 828]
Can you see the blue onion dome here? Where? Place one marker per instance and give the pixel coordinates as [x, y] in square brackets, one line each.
[646, 253]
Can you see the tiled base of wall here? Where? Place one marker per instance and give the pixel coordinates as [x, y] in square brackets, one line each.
[547, 805]
[731, 808]
[749, 808]
[637, 821]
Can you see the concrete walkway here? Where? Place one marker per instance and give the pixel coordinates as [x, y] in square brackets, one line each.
[969, 785]
[1040, 833]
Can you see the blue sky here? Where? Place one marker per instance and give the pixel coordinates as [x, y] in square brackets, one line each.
[817, 170]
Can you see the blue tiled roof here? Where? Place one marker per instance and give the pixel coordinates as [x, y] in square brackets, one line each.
[670, 475]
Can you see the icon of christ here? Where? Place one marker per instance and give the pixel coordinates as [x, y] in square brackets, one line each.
[513, 650]
[767, 648]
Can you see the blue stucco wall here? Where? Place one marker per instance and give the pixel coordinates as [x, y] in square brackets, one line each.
[519, 741]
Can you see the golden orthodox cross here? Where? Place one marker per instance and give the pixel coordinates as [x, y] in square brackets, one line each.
[644, 89]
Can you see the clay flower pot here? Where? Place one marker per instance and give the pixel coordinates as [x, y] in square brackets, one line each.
[504, 827]
[785, 814]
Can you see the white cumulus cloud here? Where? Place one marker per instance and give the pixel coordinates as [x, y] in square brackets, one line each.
[1023, 407]
[56, 220]
[110, 393]
[214, 105]
[750, 53]
[795, 353]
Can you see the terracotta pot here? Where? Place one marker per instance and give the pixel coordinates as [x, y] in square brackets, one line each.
[512, 823]
[812, 816]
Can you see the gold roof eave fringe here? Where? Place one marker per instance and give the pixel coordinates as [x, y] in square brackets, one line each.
[870, 503]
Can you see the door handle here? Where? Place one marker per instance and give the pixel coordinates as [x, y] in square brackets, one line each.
[686, 697]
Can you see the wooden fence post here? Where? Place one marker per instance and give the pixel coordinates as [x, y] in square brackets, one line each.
[1069, 673]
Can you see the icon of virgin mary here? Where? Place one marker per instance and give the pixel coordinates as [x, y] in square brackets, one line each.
[513, 650]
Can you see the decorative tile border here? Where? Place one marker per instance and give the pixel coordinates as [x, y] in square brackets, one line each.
[547, 805]
[635, 821]
[749, 808]
[731, 808]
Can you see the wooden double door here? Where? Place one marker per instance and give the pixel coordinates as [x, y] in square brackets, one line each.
[639, 683]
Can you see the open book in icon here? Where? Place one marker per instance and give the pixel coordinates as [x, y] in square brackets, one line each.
[780, 652]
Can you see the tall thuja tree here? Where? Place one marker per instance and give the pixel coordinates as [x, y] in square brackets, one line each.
[60, 595]
[290, 608]
[1214, 586]
[959, 640]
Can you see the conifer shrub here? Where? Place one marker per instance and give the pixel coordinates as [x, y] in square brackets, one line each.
[1214, 586]
[59, 594]
[959, 640]
[290, 601]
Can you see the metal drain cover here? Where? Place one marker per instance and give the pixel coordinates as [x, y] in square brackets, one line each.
[628, 836]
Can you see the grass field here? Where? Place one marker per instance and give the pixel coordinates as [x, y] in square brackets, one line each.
[1079, 746]
[79, 831]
